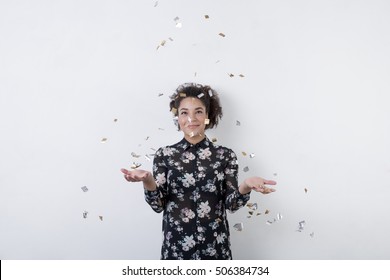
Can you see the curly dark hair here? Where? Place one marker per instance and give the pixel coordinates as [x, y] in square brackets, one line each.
[204, 93]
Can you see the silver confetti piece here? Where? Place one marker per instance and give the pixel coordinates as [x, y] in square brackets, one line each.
[84, 188]
[279, 216]
[200, 95]
[312, 234]
[210, 93]
[85, 213]
[301, 226]
[238, 226]
[135, 155]
[252, 155]
[246, 169]
[135, 165]
[252, 206]
[238, 123]
[147, 157]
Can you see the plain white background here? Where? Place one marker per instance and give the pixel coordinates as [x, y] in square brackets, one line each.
[313, 107]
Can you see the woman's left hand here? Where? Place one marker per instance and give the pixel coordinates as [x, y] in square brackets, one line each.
[258, 184]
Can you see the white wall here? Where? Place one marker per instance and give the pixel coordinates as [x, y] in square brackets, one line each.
[313, 107]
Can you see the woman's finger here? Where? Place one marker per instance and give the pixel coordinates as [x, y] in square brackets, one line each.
[269, 182]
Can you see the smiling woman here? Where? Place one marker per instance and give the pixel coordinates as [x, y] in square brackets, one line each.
[195, 181]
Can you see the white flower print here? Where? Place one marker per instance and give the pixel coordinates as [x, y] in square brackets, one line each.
[160, 179]
[204, 153]
[188, 180]
[220, 176]
[188, 242]
[203, 209]
[167, 151]
[187, 214]
[221, 238]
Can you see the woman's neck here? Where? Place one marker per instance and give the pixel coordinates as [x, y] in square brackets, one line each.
[194, 139]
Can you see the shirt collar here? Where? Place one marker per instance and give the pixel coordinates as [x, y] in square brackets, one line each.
[205, 143]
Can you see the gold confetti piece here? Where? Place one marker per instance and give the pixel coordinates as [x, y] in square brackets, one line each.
[244, 154]
[266, 211]
[182, 94]
[250, 212]
[218, 220]
[135, 165]
[241, 75]
[174, 110]
[249, 217]
[252, 206]
[84, 188]
[206, 121]
[221, 34]
[206, 16]
[214, 140]
[101, 218]
[200, 95]
[135, 155]
[162, 44]
[231, 75]
[104, 140]
[246, 169]
[305, 190]
[238, 123]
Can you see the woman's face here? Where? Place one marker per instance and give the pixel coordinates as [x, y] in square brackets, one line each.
[192, 118]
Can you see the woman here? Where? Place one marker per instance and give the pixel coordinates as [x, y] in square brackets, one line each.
[195, 181]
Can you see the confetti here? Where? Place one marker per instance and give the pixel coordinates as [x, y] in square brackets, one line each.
[268, 222]
[160, 128]
[252, 155]
[147, 138]
[104, 140]
[115, 120]
[266, 211]
[85, 214]
[182, 94]
[231, 75]
[214, 140]
[135, 155]
[305, 190]
[221, 34]
[206, 16]
[301, 225]
[135, 165]
[160, 94]
[84, 188]
[244, 154]
[210, 93]
[217, 61]
[250, 212]
[258, 214]
[241, 75]
[238, 123]
[162, 44]
[200, 95]
[312, 234]
[275, 174]
[279, 216]
[176, 120]
[147, 158]
[206, 121]
[174, 110]
[170, 39]
[246, 169]
[238, 226]
[155, 4]
[249, 217]
[101, 218]
[178, 24]
[252, 206]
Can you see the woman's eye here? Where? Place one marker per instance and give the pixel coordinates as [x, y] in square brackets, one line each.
[183, 113]
[199, 112]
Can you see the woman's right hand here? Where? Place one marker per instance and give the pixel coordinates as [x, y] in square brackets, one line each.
[136, 175]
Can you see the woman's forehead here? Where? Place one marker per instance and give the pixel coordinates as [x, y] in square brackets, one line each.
[191, 102]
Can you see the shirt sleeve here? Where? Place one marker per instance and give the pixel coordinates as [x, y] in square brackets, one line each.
[157, 199]
[234, 199]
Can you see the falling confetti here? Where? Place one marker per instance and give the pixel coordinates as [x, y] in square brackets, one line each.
[182, 94]
[238, 226]
[268, 222]
[238, 123]
[162, 44]
[275, 174]
[206, 16]
[244, 154]
[101, 218]
[155, 4]
[312, 234]
[207, 121]
[305, 190]
[214, 140]
[200, 95]
[279, 216]
[174, 110]
[135, 165]
[252, 206]
[231, 75]
[221, 34]
[160, 94]
[135, 155]
[170, 39]
[252, 155]
[115, 120]
[147, 138]
[266, 211]
[246, 169]
[104, 140]
[301, 226]
[241, 75]
[85, 214]
[84, 188]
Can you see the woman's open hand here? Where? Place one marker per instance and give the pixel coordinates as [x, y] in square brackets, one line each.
[258, 184]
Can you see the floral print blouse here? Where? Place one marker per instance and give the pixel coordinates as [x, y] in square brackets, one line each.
[196, 184]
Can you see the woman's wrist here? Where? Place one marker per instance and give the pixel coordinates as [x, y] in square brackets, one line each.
[244, 188]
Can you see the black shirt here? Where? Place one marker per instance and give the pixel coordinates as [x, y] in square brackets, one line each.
[196, 184]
